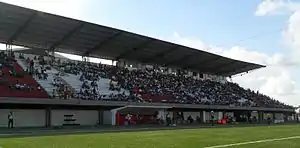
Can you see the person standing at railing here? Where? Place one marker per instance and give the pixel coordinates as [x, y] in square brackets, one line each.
[10, 120]
[31, 67]
[212, 118]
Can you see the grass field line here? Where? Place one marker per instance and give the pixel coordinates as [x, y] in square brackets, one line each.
[253, 142]
[82, 131]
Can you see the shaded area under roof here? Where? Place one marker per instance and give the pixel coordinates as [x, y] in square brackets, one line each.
[32, 51]
[36, 51]
[34, 29]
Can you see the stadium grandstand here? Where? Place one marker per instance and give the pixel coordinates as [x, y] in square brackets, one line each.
[149, 81]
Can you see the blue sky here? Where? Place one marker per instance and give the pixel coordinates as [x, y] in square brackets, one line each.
[222, 24]
[260, 31]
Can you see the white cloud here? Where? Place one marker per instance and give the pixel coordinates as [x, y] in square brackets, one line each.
[276, 80]
[275, 7]
[291, 34]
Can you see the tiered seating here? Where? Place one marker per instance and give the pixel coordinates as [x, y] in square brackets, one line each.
[102, 82]
[153, 86]
[76, 77]
[24, 79]
[103, 85]
[47, 76]
[73, 80]
[158, 98]
[45, 83]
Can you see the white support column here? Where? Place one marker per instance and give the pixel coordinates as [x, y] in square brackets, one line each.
[8, 49]
[114, 113]
[204, 119]
[113, 117]
[220, 115]
[169, 71]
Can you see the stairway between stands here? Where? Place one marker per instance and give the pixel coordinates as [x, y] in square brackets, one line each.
[52, 74]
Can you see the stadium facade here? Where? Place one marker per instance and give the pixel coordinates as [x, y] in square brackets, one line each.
[46, 32]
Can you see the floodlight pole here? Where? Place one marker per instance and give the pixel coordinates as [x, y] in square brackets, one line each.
[51, 53]
[84, 59]
[9, 49]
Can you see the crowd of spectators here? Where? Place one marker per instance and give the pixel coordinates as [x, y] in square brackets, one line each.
[89, 74]
[148, 84]
[174, 88]
[38, 66]
[10, 75]
[60, 89]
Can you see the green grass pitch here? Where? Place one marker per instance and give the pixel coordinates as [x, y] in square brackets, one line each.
[288, 136]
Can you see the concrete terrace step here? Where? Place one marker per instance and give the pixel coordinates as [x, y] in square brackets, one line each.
[73, 81]
[46, 84]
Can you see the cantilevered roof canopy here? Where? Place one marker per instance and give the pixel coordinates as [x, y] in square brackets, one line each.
[34, 29]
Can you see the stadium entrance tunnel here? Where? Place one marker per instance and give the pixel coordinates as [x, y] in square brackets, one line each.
[137, 115]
